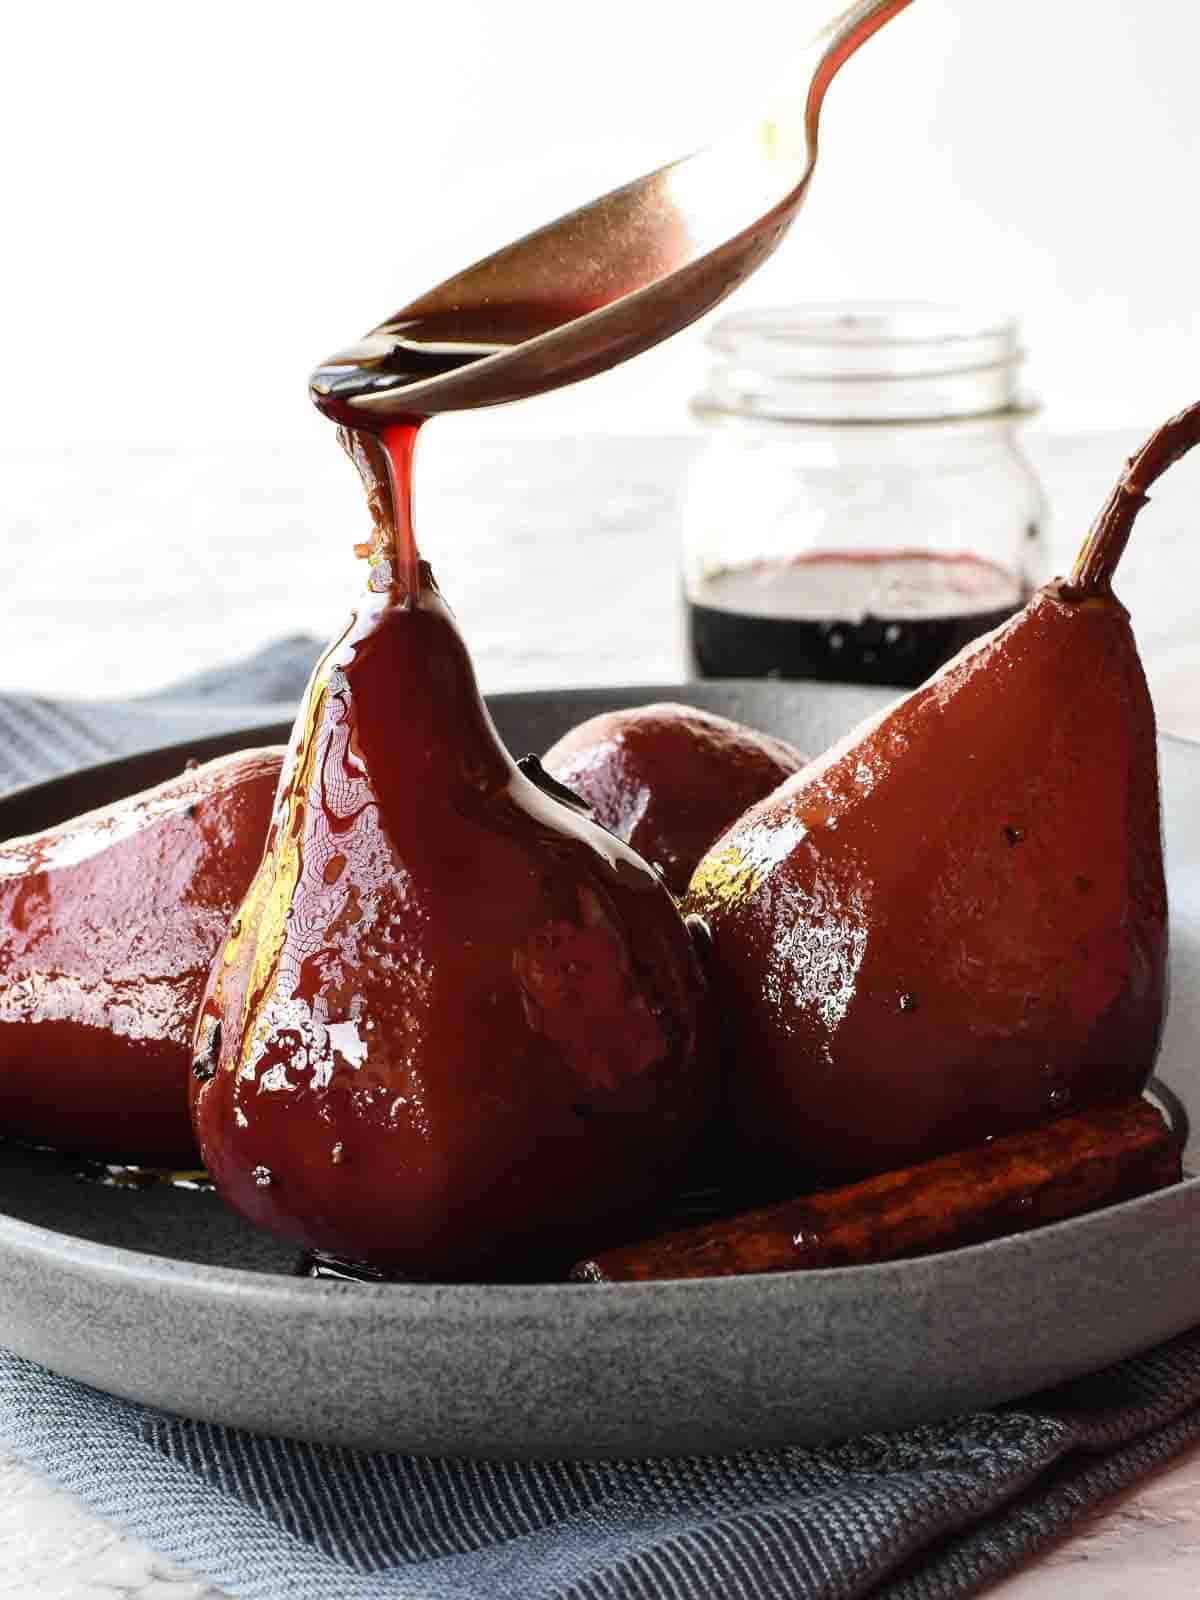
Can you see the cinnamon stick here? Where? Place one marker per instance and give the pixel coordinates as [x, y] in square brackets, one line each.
[1010, 1185]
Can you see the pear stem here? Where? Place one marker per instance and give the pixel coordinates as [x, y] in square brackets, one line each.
[1105, 544]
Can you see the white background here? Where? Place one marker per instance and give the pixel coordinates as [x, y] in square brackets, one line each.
[200, 200]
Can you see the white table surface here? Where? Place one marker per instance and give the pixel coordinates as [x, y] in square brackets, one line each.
[124, 569]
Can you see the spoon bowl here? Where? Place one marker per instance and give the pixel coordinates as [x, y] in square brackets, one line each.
[602, 283]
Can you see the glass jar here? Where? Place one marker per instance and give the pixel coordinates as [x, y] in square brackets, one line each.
[861, 508]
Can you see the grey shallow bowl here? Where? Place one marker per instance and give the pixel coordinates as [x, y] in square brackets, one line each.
[165, 1297]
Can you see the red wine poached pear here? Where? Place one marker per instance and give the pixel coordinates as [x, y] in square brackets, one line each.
[455, 1025]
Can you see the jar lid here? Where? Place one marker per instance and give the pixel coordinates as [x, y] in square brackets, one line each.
[865, 362]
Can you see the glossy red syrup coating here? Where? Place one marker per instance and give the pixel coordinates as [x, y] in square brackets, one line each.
[669, 779]
[108, 926]
[456, 1023]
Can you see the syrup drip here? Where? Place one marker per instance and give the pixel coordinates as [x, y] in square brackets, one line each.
[394, 355]
[385, 465]
[399, 446]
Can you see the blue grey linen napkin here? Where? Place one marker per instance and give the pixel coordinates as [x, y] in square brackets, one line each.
[927, 1514]
[39, 738]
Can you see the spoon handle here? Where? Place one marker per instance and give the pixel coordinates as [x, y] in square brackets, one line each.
[837, 43]
[597, 286]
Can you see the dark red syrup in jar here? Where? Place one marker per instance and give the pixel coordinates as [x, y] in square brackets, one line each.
[889, 618]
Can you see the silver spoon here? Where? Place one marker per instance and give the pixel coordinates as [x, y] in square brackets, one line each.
[602, 283]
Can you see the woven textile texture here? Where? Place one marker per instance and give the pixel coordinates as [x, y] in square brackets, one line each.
[926, 1514]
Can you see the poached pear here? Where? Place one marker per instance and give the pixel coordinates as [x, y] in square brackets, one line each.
[954, 924]
[455, 1024]
[669, 779]
[108, 925]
